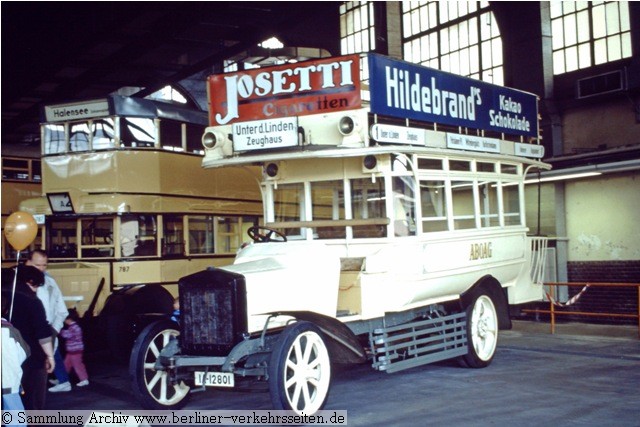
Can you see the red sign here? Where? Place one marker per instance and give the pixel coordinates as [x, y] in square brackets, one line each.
[299, 89]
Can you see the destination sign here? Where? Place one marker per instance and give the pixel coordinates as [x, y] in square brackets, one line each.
[265, 134]
[298, 89]
[84, 110]
[60, 203]
[473, 143]
[398, 134]
[406, 90]
[529, 150]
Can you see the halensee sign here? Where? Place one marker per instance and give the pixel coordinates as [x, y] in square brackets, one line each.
[298, 89]
[76, 111]
[406, 90]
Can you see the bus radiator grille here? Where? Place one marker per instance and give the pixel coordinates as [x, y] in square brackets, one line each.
[213, 312]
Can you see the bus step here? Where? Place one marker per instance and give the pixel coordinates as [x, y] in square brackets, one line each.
[419, 342]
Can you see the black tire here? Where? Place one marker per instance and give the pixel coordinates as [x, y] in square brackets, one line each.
[153, 388]
[119, 337]
[300, 370]
[482, 332]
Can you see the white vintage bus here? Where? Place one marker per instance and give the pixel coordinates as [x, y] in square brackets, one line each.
[127, 209]
[394, 230]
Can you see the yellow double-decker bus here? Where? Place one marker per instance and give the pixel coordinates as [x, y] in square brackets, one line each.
[127, 208]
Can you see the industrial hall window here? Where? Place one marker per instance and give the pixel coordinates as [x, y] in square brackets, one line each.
[356, 27]
[357, 32]
[585, 34]
[459, 37]
[249, 60]
[168, 93]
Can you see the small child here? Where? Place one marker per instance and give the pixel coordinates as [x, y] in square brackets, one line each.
[72, 333]
[175, 316]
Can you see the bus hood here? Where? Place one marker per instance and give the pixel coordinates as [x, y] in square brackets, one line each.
[291, 276]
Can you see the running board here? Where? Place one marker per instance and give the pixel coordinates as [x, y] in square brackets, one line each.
[419, 342]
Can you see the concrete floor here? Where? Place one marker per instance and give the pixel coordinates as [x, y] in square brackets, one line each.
[584, 375]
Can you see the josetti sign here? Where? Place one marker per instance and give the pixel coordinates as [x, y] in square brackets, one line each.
[299, 89]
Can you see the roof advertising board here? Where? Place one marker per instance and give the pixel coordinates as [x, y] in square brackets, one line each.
[297, 89]
[405, 90]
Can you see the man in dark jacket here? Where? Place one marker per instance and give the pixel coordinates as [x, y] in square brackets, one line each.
[28, 316]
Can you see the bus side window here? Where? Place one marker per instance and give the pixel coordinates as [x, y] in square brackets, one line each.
[54, 139]
[434, 206]
[201, 233]
[462, 200]
[148, 237]
[79, 137]
[129, 232]
[138, 235]
[173, 237]
[368, 202]
[404, 206]
[289, 206]
[171, 135]
[511, 204]
[103, 135]
[194, 138]
[61, 238]
[138, 132]
[97, 237]
[327, 199]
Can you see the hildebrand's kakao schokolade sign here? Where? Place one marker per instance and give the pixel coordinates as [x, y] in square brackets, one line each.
[405, 90]
[298, 89]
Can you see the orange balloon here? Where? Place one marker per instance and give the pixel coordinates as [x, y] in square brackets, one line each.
[20, 229]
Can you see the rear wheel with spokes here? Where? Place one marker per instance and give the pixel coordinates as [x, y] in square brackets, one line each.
[482, 332]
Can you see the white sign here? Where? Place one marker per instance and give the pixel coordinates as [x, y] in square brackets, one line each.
[529, 150]
[265, 134]
[398, 134]
[39, 218]
[473, 143]
[84, 110]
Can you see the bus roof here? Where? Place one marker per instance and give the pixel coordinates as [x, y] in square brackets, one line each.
[116, 105]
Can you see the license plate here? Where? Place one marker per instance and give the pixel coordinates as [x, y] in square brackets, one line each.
[214, 379]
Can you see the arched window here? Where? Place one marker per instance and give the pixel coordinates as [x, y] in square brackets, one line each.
[168, 93]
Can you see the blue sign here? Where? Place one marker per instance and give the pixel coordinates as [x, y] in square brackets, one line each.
[405, 90]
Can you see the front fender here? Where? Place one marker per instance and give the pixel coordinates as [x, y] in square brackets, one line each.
[343, 345]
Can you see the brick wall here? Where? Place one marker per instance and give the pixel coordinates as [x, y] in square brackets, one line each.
[605, 300]
[620, 300]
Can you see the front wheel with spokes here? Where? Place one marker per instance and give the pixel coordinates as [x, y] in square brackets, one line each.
[300, 370]
[155, 388]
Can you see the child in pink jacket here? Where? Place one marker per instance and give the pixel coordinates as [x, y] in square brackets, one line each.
[72, 334]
